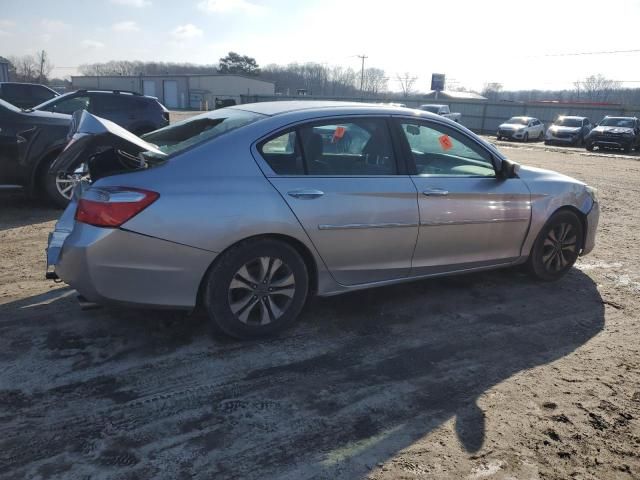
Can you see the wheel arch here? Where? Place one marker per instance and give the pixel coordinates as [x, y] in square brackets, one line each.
[582, 217]
[300, 247]
[35, 179]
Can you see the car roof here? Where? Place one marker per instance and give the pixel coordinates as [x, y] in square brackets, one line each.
[572, 116]
[288, 106]
[25, 83]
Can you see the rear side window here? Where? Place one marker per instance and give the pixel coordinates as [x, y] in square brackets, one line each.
[41, 94]
[115, 103]
[360, 147]
[282, 153]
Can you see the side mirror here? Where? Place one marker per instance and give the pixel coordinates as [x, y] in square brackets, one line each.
[509, 169]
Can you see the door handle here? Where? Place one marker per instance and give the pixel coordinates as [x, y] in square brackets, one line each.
[305, 194]
[435, 192]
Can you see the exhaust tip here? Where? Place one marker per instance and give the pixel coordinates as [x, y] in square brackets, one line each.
[86, 304]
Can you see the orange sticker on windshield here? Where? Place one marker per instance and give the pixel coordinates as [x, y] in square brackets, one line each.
[445, 142]
[338, 134]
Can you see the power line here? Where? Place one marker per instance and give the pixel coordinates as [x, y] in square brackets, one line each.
[575, 54]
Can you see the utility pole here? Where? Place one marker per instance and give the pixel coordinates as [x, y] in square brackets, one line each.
[362, 73]
[42, 59]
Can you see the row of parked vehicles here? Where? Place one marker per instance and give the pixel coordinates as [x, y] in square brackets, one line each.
[35, 123]
[620, 133]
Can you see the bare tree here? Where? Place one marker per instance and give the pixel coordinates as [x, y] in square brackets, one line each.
[406, 81]
[25, 68]
[597, 88]
[492, 90]
[375, 81]
[43, 65]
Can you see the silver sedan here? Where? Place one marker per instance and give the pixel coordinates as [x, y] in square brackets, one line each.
[249, 210]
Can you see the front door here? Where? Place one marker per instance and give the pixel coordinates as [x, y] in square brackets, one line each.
[341, 180]
[469, 217]
[9, 146]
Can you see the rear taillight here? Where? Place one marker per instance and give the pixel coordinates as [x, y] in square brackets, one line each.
[112, 206]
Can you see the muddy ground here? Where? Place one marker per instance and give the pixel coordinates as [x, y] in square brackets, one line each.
[490, 375]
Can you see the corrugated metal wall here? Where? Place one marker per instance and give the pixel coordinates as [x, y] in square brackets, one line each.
[482, 116]
[4, 72]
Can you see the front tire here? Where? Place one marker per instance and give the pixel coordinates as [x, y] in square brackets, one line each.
[525, 139]
[589, 147]
[557, 247]
[256, 288]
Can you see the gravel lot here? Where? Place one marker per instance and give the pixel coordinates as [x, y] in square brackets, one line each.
[484, 376]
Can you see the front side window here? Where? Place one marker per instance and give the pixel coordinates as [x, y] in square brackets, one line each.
[440, 151]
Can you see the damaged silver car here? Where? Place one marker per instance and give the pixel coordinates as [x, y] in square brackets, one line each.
[249, 210]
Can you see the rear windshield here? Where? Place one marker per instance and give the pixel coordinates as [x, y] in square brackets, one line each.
[182, 135]
[568, 122]
[617, 122]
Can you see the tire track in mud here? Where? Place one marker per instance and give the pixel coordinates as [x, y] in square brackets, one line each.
[261, 388]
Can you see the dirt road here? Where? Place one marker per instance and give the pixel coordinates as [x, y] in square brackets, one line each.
[484, 376]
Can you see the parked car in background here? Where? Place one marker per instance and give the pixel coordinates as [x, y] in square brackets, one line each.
[442, 110]
[521, 128]
[25, 95]
[137, 113]
[249, 210]
[568, 130]
[615, 132]
[29, 143]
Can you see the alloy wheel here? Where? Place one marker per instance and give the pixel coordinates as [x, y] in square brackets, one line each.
[560, 248]
[65, 181]
[261, 291]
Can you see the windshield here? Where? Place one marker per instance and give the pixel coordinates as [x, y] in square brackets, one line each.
[518, 120]
[8, 106]
[617, 122]
[54, 100]
[182, 135]
[568, 122]
[430, 108]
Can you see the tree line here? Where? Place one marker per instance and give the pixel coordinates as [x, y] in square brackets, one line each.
[319, 79]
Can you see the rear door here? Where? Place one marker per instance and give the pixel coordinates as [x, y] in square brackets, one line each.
[341, 179]
[469, 217]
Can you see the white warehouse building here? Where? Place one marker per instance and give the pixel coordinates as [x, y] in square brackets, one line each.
[198, 91]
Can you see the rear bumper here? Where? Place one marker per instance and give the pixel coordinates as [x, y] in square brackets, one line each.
[592, 225]
[118, 266]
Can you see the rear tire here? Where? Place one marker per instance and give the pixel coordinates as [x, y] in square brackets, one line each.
[557, 247]
[589, 147]
[541, 136]
[256, 288]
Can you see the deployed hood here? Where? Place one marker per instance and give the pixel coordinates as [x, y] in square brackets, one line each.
[106, 148]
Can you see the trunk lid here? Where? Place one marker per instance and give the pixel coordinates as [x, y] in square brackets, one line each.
[105, 148]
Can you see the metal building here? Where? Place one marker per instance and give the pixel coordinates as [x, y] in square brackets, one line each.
[4, 69]
[196, 92]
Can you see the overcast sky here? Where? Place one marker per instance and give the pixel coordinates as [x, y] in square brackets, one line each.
[521, 44]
